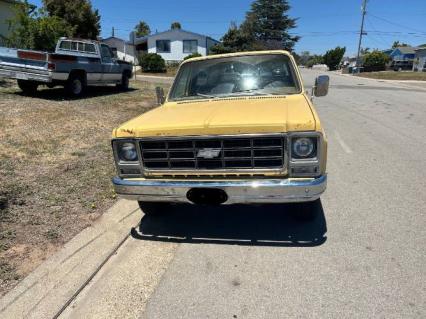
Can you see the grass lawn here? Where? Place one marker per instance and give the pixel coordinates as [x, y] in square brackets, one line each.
[392, 75]
[55, 168]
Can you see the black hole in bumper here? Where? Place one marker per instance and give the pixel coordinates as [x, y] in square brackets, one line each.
[207, 196]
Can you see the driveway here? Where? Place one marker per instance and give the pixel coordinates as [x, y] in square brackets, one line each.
[362, 257]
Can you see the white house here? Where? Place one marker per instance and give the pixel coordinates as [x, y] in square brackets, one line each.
[124, 50]
[420, 59]
[7, 12]
[174, 45]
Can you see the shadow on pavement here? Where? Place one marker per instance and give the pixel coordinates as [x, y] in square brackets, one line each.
[59, 94]
[265, 225]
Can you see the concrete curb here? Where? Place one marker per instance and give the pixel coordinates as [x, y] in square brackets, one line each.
[48, 288]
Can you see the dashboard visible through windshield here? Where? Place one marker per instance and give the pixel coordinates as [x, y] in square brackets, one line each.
[248, 75]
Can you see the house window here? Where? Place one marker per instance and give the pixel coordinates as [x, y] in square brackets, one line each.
[163, 46]
[190, 46]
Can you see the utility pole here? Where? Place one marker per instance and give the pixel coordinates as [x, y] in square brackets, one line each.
[361, 33]
[113, 32]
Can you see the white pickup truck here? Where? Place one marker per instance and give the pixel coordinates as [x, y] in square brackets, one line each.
[75, 64]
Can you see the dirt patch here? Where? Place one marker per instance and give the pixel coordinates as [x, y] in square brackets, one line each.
[56, 168]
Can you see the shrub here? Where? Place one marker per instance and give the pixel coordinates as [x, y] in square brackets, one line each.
[193, 55]
[315, 59]
[152, 62]
[333, 57]
[375, 61]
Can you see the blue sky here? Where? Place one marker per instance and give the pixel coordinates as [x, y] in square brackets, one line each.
[323, 24]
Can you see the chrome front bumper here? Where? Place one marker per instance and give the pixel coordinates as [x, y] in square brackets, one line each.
[238, 191]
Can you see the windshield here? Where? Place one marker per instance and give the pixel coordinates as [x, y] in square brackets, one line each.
[268, 74]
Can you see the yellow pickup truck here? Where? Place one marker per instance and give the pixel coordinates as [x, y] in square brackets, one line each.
[234, 129]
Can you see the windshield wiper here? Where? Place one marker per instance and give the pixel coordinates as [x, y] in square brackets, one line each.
[207, 96]
[250, 93]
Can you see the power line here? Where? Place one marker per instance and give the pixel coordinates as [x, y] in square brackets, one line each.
[396, 24]
[378, 34]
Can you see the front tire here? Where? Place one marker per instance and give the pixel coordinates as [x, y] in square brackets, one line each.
[28, 87]
[124, 84]
[75, 86]
[154, 208]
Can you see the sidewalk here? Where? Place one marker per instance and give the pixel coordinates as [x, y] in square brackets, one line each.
[52, 285]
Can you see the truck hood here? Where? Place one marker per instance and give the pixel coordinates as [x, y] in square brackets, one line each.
[242, 115]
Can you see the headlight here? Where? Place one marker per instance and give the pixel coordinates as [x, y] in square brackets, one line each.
[304, 147]
[127, 152]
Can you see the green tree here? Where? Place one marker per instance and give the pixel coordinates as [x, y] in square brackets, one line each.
[35, 29]
[305, 56]
[268, 23]
[79, 14]
[232, 41]
[376, 60]
[266, 26]
[364, 51]
[176, 26]
[314, 59]
[142, 29]
[397, 44]
[333, 57]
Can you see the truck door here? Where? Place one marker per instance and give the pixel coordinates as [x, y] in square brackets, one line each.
[111, 71]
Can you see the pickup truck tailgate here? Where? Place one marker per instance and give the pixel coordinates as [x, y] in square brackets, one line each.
[24, 65]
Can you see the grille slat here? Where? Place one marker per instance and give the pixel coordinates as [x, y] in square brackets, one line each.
[216, 153]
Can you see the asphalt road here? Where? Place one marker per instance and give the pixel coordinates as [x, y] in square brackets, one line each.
[362, 257]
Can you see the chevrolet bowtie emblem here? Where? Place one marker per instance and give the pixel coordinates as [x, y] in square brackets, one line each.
[208, 153]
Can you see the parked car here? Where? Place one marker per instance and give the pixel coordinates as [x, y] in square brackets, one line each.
[75, 64]
[401, 65]
[234, 129]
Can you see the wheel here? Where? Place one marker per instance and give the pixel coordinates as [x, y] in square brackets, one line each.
[306, 211]
[154, 208]
[124, 84]
[28, 87]
[75, 85]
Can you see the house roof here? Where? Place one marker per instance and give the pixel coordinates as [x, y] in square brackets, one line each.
[113, 38]
[406, 50]
[145, 38]
[118, 39]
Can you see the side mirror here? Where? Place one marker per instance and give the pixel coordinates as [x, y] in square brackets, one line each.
[321, 85]
[161, 98]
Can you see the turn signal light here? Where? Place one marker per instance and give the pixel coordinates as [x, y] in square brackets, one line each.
[304, 170]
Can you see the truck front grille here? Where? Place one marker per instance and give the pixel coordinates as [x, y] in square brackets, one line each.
[214, 153]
